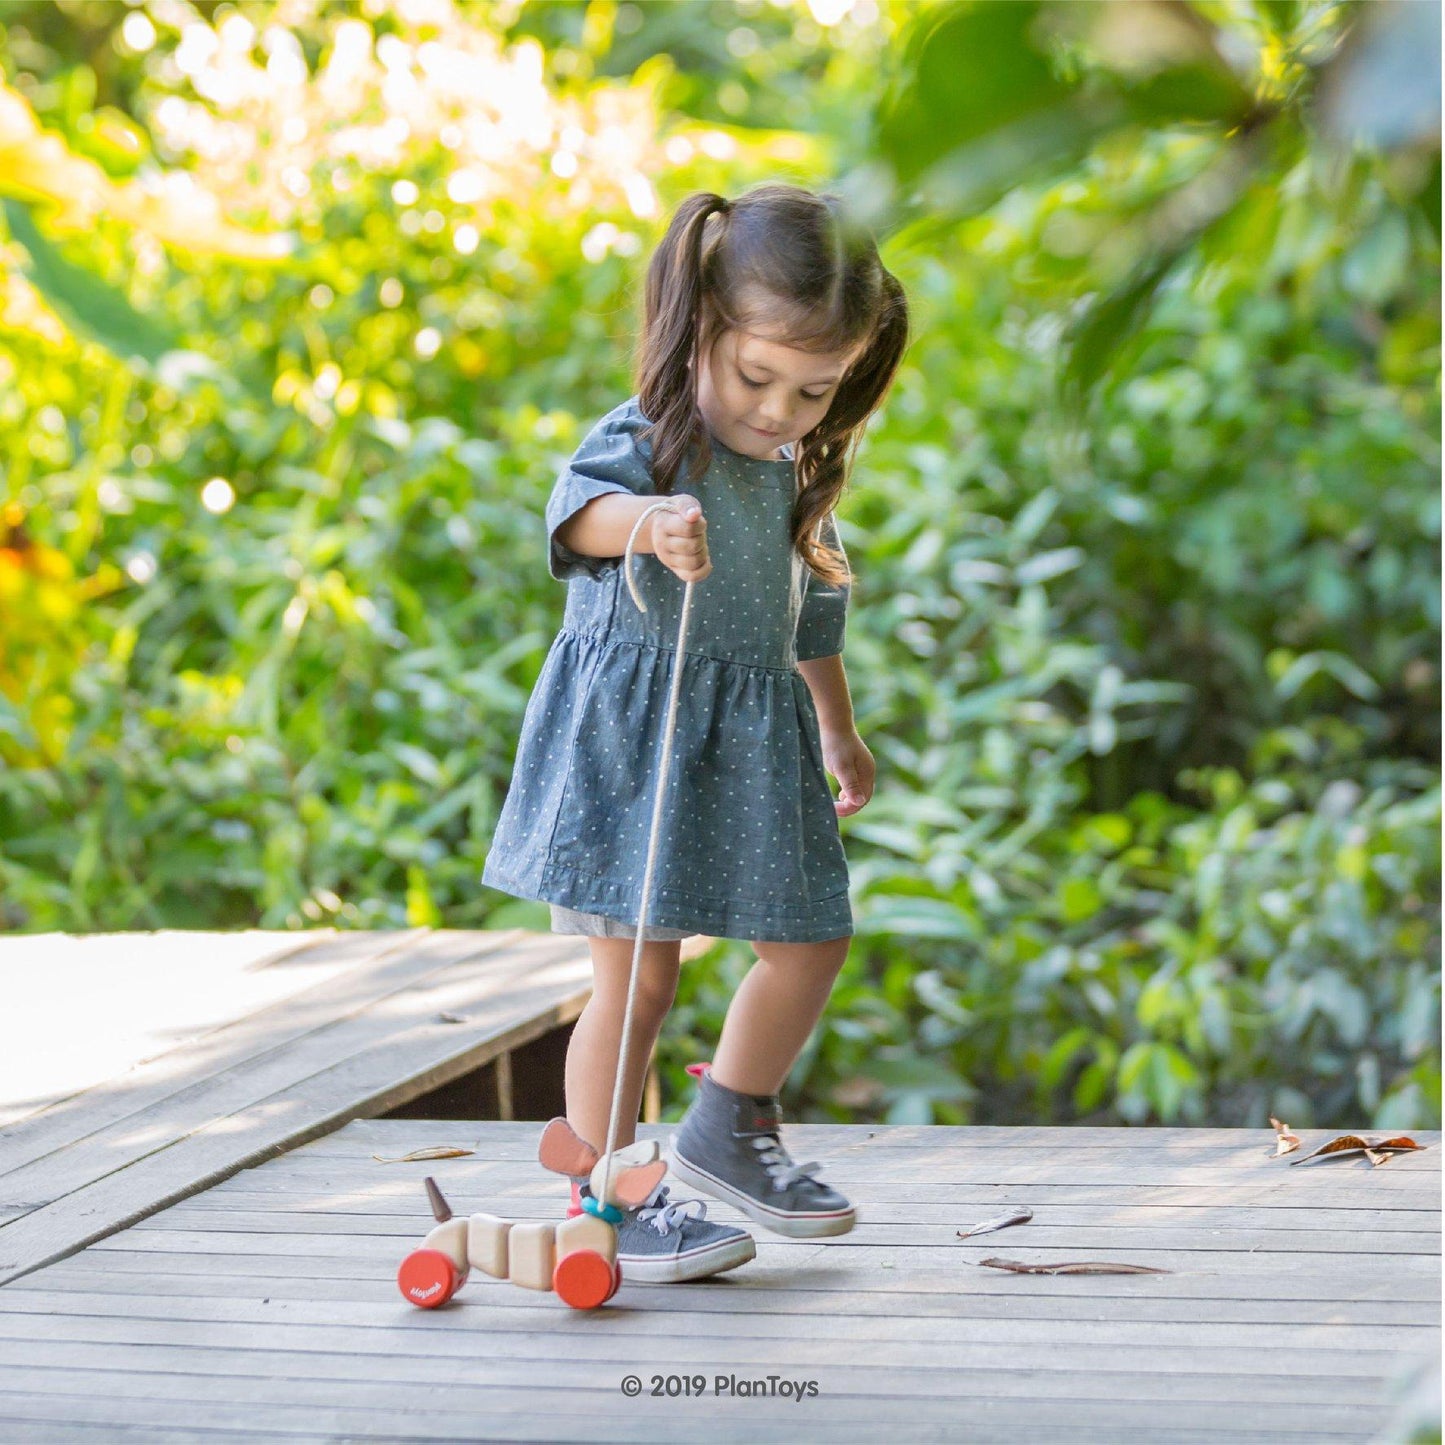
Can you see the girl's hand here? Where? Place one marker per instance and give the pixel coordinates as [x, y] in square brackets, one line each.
[679, 538]
[847, 758]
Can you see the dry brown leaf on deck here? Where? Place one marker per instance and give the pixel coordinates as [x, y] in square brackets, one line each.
[1369, 1145]
[1285, 1142]
[436, 1151]
[1080, 1267]
[1021, 1215]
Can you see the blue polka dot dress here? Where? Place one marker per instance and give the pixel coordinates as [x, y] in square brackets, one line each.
[749, 844]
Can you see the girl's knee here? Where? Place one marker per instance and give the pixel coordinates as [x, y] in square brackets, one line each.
[656, 986]
[655, 995]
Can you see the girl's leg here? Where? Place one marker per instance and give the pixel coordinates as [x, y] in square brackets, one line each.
[591, 1070]
[776, 1006]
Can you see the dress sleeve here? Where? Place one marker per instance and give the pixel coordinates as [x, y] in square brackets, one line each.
[608, 460]
[824, 610]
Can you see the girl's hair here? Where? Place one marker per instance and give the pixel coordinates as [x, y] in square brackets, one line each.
[778, 254]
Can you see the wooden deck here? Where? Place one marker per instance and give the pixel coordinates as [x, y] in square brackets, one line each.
[1297, 1302]
[136, 1069]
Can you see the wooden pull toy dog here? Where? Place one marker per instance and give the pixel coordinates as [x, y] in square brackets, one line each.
[576, 1259]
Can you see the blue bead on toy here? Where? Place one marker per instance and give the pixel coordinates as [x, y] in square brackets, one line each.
[609, 1212]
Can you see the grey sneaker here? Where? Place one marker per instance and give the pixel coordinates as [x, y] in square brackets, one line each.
[727, 1144]
[662, 1242]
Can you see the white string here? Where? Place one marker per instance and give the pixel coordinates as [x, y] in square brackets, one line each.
[663, 763]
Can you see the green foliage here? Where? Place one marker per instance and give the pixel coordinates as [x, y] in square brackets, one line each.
[1152, 683]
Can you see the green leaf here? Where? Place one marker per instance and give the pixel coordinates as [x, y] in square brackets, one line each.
[1348, 674]
[89, 306]
[1111, 321]
[932, 991]
[1079, 898]
[1282, 15]
[1094, 1082]
[969, 71]
[1046, 565]
[1188, 93]
[1065, 1050]
[918, 917]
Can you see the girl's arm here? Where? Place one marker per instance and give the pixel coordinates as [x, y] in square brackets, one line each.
[602, 527]
[829, 685]
[845, 754]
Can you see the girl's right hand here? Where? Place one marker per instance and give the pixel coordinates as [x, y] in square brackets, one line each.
[679, 538]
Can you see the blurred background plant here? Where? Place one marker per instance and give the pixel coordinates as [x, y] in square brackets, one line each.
[303, 304]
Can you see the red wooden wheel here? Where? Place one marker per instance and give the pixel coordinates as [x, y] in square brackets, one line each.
[583, 1279]
[428, 1278]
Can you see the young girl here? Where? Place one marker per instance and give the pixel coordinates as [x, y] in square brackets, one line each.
[771, 333]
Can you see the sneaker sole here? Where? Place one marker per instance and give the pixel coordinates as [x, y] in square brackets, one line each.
[792, 1224]
[696, 1264]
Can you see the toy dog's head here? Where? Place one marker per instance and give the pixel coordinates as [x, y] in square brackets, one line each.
[636, 1169]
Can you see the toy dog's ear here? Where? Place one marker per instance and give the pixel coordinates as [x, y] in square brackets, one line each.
[564, 1151]
[631, 1187]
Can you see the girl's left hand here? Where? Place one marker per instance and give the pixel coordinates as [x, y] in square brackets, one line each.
[847, 758]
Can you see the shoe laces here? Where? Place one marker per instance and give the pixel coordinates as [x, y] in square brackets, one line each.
[779, 1163]
[663, 1216]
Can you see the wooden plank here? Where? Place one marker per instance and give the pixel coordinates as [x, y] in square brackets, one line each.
[400, 1204]
[1421, 1168]
[313, 1085]
[915, 1372]
[130, 996]
[260, 1052]
[575, 1398]
[371, 963]
[888, 1138]
[297, 1184]
[504, 1086]
[769, 1279]
[809, 1261]
[220, 1149]
[996, 1371]
[1247, 1151]
[1184, 1303]
[526, 1315]
[1325, 1183]
[69, 1432]
[1158, 1228]
[604, 1415]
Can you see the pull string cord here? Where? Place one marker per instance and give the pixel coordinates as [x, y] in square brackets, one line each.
[663, 764]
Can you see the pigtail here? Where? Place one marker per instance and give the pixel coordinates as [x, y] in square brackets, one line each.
[825, 455]
[671, 339]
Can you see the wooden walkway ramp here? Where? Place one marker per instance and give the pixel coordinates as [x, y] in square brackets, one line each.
[136, 1069]
[1297, 1303]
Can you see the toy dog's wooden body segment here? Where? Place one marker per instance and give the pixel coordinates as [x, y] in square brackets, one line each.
[487, 1244]
[451, 1238]
[586, 1231]
[533, 1254]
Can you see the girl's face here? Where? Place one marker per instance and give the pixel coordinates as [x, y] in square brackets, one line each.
[755, 393]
